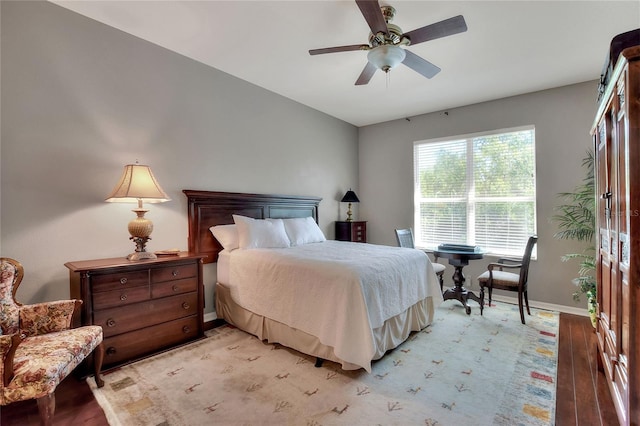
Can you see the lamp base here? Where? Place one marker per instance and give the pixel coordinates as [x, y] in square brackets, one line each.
[141, 253]
[349, 214]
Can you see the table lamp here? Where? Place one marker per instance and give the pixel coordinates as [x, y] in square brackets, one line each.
[137, 184]
[350, 197]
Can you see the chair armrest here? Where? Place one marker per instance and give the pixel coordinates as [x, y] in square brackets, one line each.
[43, 318]
[8, 345]
[500, 266]
[510, 259]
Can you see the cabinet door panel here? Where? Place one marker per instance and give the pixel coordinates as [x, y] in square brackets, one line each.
[605, 291]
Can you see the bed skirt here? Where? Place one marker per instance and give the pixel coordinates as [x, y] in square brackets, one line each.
[392, 333]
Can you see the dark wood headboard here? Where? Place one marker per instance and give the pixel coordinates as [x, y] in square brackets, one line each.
[208, 208]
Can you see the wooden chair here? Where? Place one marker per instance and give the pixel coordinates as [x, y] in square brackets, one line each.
[38, 347]
[405, 239]
[495, 277]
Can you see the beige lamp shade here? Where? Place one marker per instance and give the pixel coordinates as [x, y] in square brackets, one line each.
[138, 183]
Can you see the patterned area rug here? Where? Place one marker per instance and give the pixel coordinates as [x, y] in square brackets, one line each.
[488, 370]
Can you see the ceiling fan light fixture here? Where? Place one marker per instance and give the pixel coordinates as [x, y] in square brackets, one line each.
[386, 56]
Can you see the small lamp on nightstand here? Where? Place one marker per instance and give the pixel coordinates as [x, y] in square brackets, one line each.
[350, 197]
[137, 184]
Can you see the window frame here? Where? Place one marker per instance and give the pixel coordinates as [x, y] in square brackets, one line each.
[469, 198]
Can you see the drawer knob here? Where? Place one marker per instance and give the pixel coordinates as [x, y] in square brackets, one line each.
[175, 272]
[174, 288]
[185, 305]
[123, 280]
[111, 322]
[111, 350]
[123, 297]
[186, 329]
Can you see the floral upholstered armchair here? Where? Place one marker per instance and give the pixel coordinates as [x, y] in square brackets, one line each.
[38, 347]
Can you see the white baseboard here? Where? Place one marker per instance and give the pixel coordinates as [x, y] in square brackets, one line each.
[210, 316]
[544, 305]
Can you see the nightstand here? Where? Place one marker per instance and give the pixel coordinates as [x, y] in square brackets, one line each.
[355, 231]
[143, 306]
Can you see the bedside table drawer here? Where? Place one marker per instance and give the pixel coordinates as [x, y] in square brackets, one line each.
[359, 232]
[173, 273]
[119, 280]
[120, 297]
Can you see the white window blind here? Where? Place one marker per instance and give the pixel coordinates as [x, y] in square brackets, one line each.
[476, 189]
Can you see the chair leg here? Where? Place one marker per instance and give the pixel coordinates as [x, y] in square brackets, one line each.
[481, 299]
[441, 282]
[98, 357]
[521, 307]
[526, 300]
[47, 408]
[490, 291]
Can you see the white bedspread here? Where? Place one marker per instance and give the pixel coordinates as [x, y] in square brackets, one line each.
[337, 291]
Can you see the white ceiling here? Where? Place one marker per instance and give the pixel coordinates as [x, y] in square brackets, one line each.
[510, 48]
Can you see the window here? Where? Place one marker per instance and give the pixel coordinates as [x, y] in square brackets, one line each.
[476, 189]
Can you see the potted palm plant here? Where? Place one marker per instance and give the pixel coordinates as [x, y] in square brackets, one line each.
[576, 221]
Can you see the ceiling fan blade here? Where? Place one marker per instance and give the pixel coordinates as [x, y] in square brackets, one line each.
[419, 65]
[370, 9]
[338, 49]
[366, 74]
[440, 29]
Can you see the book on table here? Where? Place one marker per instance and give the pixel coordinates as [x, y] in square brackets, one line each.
[458, 247]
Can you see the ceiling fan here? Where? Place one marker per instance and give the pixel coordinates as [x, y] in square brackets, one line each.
[386, 39]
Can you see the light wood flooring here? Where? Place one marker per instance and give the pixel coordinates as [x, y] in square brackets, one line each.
[583, 398]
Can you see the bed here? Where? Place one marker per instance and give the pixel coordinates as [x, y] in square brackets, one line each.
[345, 302]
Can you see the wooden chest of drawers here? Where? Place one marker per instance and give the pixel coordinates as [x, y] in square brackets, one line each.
[355, 231]
[143, 306]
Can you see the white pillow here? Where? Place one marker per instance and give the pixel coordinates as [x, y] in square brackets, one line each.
[303, 230]
[227, 236]
[258, 233]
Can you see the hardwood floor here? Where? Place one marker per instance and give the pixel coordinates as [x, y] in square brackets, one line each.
[583, 398]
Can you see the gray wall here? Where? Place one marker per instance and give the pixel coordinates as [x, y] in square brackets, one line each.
[80, 100]
[562, 118]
